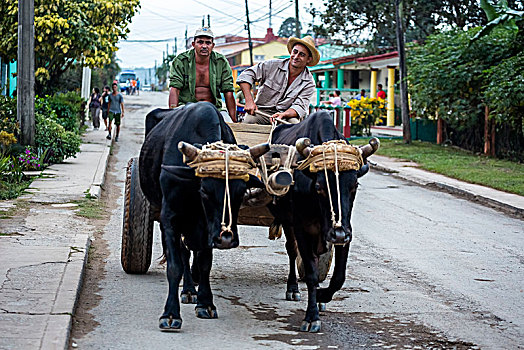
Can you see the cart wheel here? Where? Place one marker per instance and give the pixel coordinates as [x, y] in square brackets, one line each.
[137, 230]
[324, 263]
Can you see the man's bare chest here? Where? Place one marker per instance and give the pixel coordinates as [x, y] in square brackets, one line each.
[202, 75]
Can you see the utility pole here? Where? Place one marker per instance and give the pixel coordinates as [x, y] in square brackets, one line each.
[203, 21]
[208, 21]
[185, 42]
[176, 49]
[167, 50]
[25, 106]
[270, 14]
[297, 20]
[406, 131]
[249, 36]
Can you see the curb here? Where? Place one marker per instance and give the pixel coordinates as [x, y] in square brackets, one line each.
[489, 202]
[95, 190]
[58, 327]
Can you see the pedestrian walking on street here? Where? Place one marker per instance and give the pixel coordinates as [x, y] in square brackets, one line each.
[94, 108]
[116, 111]
[104, 100]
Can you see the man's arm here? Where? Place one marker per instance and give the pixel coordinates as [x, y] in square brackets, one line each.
[176, 82]
[289, 113]
[231, 105]
[122, 108]
[173, 97]
[250, 107]
[247, 79]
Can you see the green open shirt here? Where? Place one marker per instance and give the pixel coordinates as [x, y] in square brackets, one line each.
[182, 75]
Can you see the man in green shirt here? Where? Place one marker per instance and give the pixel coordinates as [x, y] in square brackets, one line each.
[200, 74]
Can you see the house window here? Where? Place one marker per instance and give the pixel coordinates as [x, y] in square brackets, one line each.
[260, 57]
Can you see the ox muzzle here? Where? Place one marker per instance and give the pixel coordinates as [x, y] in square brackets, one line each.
[339, 235]
[225, 240]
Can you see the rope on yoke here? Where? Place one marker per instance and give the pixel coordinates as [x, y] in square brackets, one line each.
[223, 161]
[335, 155]
[227, 200]
[210, 161]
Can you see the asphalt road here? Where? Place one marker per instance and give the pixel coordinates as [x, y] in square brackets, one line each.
[426, 270]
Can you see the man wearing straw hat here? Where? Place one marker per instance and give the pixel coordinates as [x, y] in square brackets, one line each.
[285, 85]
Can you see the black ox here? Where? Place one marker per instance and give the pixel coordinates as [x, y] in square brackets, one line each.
[190, 207]
[305, 214]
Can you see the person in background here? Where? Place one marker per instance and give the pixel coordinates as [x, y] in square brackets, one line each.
[94, 108]
[241, 102]
[138, 86]
[200, 74]
[116, 111]
[133, 86]
[381, 93]
[104, 100]
[337, 101]
[361, 95]
[128, 86]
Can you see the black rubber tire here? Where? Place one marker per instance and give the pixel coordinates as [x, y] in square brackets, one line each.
[137, 229]
[324, 263]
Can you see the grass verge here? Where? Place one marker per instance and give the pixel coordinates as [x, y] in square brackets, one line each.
[500, 174]
[89, 208]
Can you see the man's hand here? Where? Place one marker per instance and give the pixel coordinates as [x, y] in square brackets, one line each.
[279, 115]
[250, 107]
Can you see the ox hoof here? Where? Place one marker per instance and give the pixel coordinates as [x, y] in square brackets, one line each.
[169, 324]
[293, 296]
[322, 306]
[188, 298]
[311, 327]
[208, 313]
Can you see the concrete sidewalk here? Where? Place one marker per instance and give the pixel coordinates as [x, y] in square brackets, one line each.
[43, 250]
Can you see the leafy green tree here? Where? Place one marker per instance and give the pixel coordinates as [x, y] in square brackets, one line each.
[288, 27]
[373, 21]
[457, 78]
[162, 71]
[499, 15]
[67, 32]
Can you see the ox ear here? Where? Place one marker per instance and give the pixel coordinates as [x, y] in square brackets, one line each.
[302, 146]
[254, 182]
[189, 151]
[259, 150]
[371, 148]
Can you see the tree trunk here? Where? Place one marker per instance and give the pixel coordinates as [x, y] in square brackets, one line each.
[403, 72]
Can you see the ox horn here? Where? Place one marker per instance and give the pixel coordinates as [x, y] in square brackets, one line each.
[258, 150]
[368, 150]
[189, 151]
[302, 146]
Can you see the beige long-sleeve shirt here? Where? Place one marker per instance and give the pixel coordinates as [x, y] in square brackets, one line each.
[273, 96]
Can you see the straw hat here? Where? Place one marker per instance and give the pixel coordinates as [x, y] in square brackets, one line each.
[308, 42]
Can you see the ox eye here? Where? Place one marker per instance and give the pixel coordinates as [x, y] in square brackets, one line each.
[319, 188]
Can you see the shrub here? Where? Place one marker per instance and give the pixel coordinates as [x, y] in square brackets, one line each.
[365, 113]
[69, 110]
[52, 137]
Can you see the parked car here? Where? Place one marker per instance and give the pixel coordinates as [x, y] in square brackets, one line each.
[146, 87]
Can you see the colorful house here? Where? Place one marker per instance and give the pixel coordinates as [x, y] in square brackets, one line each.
[7, 80]
[353, 73]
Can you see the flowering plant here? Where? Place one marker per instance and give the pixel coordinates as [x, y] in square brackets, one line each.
[28, 160]
[365, 113]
